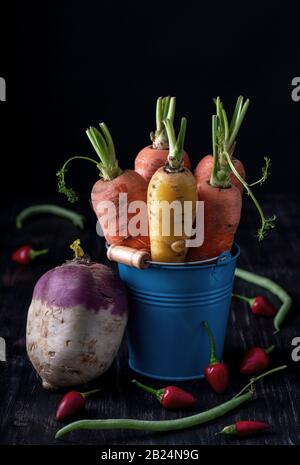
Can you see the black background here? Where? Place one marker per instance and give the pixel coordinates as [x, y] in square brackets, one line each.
[72, 64]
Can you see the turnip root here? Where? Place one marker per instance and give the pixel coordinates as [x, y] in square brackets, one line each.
[75, 322]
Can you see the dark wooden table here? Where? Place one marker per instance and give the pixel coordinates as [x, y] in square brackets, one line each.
[27, 410]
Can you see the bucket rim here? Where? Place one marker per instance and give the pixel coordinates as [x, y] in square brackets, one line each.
[215, 261]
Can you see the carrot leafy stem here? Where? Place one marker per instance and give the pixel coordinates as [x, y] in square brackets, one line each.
[224, 139]
[266, 223]
[265, 171]
[108, 165]
[62, 188]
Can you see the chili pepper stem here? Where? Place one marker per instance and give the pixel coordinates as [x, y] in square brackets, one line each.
[249, 300]
[89, 393]
[213, 355]
[35, 253]
[230, 429]
[270, 349]
[257, 378]
[158, 393]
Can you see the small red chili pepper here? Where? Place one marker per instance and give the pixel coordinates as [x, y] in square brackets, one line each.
[245, 428]
[26, 254]
[256, 359]
[170, 397]
[216, 373]
[72, 404]
[260, 305]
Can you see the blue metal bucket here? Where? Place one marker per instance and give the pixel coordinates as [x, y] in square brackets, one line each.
[168, 303]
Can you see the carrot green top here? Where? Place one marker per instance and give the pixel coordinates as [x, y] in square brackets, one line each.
[165, 109]
[175, 156]
[108, 165]
[224, 135]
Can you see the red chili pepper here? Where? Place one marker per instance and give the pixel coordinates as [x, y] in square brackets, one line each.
[256, 359]
[260, 305]
[245, 428]
[72, 404]
[170, 397]
[26, 254]
[216, 373]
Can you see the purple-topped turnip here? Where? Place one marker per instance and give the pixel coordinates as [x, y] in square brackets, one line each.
[76, 321]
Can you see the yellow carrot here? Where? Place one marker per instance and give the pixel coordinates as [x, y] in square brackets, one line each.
[172, 200]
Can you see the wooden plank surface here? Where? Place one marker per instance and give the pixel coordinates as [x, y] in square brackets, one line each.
[27, 410]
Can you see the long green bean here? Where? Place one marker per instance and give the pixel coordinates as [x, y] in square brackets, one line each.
[76, 218]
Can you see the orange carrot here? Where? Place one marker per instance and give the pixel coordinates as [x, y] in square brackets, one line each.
[222, 207]
[135, 187]
[205, 165]
[222, 213]
[154, 156]
[114, 222]
[222, 201]
[227, 138]
[228, 134]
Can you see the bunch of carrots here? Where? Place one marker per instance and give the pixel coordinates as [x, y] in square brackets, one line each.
[162, 176]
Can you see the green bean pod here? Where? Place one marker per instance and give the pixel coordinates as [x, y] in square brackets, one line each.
[164, 425]
[76, 218]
